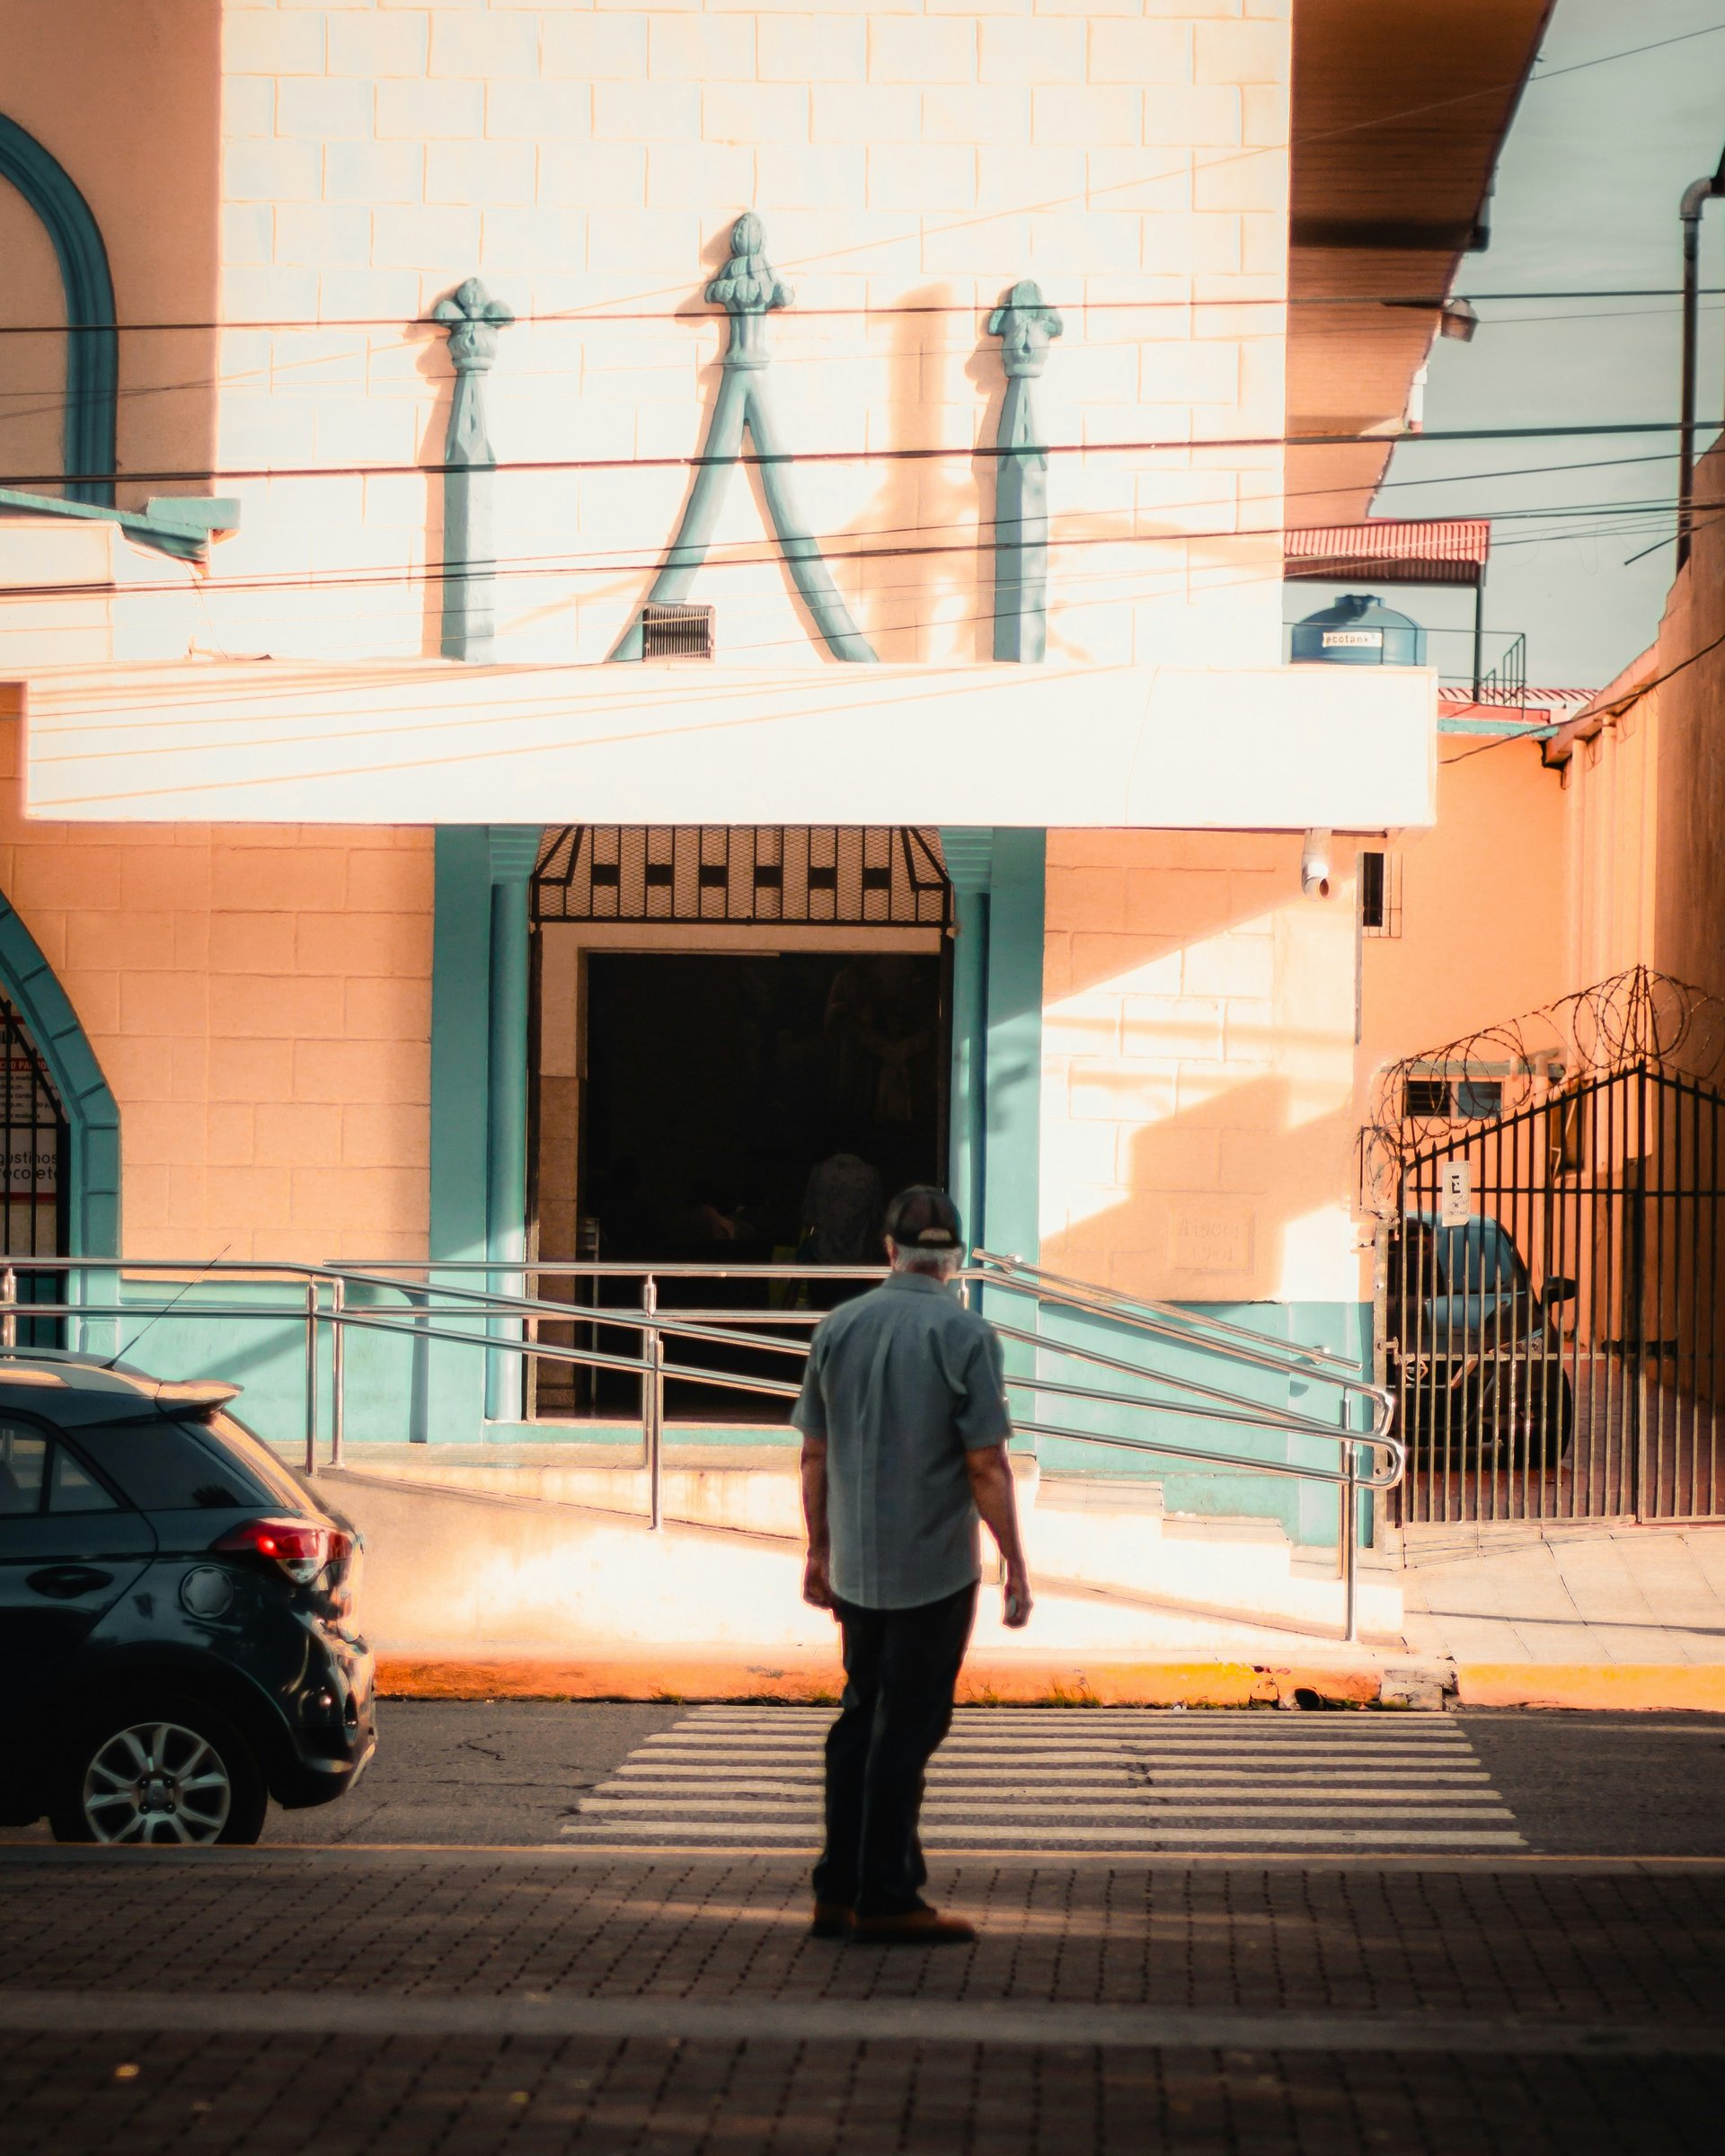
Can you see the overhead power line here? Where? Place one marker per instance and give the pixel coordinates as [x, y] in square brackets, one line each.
[1515, 83]
[884, 310]
[988, 451]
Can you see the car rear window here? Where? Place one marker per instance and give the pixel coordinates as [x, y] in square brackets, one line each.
[172, 1467]
[258, 1462]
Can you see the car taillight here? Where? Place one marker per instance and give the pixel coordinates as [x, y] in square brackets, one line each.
[344, 1588]
[300, 1547]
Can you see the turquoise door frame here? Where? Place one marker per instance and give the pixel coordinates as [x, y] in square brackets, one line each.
[998, 878]
[480, 1014]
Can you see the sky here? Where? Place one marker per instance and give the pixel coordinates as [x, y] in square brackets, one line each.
[1587, 200]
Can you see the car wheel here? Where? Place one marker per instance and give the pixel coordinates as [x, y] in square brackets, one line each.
[1533, 1427]
[159, 1774]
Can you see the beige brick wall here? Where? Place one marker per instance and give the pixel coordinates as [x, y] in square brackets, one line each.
[910, 161]
[1197, 1068]
[260, 1001]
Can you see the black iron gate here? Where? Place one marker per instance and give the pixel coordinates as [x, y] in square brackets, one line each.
[1550, 1305]
[33, 1201]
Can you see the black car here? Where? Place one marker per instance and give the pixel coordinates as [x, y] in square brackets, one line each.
[176, 1613]
[1480, 1353]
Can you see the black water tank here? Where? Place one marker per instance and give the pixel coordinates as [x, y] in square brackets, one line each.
[1360, 630]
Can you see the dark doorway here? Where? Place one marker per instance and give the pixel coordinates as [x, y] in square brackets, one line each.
[715, 1083]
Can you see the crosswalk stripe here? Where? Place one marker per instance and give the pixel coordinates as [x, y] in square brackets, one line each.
[752, 1807]
[941, 1786]
[983, 1749]
[751, 1778]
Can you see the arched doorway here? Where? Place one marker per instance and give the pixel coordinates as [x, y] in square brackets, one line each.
[33, 1198]
[60, 1087]
[93, 338]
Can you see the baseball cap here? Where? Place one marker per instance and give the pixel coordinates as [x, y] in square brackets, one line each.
[923, 1218]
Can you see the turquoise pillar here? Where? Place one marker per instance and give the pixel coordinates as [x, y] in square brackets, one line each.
[968, 855]
[994, 1137]
[450, 1403]
[514, 849]
[479, 995]
[1014, 1144]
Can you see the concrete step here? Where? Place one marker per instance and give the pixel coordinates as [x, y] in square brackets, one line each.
[1106, 1539]
[468, 1576]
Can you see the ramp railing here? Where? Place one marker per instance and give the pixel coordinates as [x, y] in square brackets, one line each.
[436, 1308]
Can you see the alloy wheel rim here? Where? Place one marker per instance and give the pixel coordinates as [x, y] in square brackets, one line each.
[158, 1784]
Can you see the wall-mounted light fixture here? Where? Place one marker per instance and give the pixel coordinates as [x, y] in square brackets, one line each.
[1314, 864]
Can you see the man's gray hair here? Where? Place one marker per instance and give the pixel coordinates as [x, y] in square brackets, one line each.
[938, 1264]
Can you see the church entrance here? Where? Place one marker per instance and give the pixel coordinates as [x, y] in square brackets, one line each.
[743, 1049]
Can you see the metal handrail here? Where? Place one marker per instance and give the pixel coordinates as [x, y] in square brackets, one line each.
[1187, 1328]
[325, 1290]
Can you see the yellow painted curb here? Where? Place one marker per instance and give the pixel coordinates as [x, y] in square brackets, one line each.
[1643, 1687]
[817, 1681]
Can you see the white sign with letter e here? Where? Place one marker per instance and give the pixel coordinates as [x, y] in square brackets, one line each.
[1455, 1195]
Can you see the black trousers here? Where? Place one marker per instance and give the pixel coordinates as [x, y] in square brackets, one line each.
[901, 1668]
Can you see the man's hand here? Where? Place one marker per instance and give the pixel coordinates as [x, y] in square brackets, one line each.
[817, 1579]
[991, 1485]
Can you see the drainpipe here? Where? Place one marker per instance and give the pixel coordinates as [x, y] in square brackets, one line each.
[1695, 199]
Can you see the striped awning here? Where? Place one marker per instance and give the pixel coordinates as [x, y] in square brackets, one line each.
[1391, 549]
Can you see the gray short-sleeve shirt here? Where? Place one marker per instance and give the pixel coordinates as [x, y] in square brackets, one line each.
[901, 1383]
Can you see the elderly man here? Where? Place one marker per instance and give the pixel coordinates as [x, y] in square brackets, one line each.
[904, 1424]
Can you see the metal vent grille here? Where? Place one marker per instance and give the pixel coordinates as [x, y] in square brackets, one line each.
[674, 631]
[839, 875]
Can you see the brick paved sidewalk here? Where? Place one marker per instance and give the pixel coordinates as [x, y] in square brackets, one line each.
[368, 2002]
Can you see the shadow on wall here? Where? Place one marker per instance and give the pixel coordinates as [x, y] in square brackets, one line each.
[919, 602]
[1199, 1069]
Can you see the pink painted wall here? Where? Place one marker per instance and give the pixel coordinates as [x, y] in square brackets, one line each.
[1483, 897]
[1643, 783]
[127, 94]
[260, 1003]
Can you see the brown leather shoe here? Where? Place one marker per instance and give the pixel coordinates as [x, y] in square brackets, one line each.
[832, 1921]
[914, 1928]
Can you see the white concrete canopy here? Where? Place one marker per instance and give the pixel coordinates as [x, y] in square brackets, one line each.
[428, 742]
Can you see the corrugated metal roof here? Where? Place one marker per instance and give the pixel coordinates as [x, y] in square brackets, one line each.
[1391, 549]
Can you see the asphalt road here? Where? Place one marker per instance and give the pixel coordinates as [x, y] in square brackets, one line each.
[511, 1774]
[471, 1774]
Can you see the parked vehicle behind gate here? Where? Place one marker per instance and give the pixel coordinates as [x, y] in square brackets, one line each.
[1477, 1354]
[177, 1613]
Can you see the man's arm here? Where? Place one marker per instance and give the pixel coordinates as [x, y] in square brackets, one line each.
[817, 1582]
[991, 1486]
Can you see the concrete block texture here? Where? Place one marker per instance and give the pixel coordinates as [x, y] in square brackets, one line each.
[369, 45]
[211, 975]
[1195, 1008]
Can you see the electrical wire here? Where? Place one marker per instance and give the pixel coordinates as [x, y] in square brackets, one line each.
[890, 310]
[988, 451]
[765, 551]
[1518, 83]
[1606, 712]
